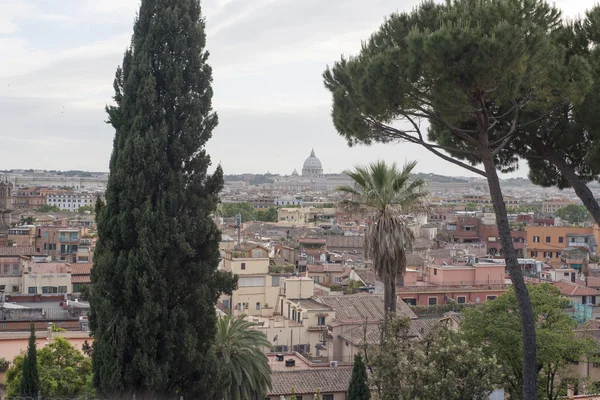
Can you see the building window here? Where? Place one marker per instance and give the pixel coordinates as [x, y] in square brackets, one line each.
[243, 266]
[258, 305]
[536, 239]
[294, 315]
[2, 287]
[461, 299]
[566, 274]
[491, 297]
[321, 321]
[435, 271]
[15, 269]
[410, 301]
[534, 254]
[547, 239]
[32, 290]
[548, 254]
[327, 397]
[561, 239]
[558, 254]
[432, 301]
[62, 289]
[15, 289]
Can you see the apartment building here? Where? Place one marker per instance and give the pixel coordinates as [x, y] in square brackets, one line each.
[257, 289]
[59, 242]
[23, 235]
[71, 201]
[329, 274]
[11, 274]
[548, 243]
[31, 198]
[47, 278]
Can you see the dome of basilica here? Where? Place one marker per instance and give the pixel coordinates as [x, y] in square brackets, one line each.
[312, 166]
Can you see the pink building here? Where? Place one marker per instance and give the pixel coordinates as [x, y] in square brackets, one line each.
[461, 283]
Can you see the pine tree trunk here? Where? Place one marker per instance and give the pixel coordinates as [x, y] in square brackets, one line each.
[514, 270]
[581, 189]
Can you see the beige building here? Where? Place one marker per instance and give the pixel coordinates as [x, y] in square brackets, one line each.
[46, 278]
[257, 289]
[552, 206]
[11, 274]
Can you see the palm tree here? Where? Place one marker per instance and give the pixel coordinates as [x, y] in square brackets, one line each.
[243, 366]
[386, 191]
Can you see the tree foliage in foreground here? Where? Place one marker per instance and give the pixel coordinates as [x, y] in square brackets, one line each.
[468, 69]
[496, 325]
[443, 365]
[155, 279]
[63, 372]
[243, 366]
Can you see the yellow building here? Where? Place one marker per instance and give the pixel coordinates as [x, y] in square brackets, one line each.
[47, 278]
[257, 289]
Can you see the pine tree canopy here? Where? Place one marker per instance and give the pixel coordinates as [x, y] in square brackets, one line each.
[155, 279]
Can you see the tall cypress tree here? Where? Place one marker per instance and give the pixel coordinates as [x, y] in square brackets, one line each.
[30, 381]
[359, 381]
[155, 280]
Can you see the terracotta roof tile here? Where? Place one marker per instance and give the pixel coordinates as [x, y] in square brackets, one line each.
[17, 251]
[357, 308]
[81, 268]
[81, 279]
[418, 329]
[306, 382]
[574, 289]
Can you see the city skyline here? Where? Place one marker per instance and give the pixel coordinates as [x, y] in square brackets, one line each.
[61, 56]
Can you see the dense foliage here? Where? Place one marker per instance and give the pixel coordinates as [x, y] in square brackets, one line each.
[248, 212]
[496, 326]
[155, 279]
[243, 366]
[359, 382]
[469, 70]
[63, 372]
[29, 382]
[575, 214]
[443, 365]
[49, 208]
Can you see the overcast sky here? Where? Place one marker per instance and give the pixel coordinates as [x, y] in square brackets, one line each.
[59, 57]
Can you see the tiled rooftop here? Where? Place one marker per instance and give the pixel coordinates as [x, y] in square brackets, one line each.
[81, 268]
[307, 381]
[574, 289]
[17, 251]
[357, 308]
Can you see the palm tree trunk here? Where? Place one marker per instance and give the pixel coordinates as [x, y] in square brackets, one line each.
[390, 296]
[514, 270]
[581, 189]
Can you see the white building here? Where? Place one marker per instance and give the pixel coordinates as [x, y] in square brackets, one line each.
[71, 201]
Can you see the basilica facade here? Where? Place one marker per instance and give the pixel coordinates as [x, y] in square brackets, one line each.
[312, 178]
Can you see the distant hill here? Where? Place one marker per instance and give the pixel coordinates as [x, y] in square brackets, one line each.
[439, 178]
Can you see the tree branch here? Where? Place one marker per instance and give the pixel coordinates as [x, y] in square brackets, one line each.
[403, 135]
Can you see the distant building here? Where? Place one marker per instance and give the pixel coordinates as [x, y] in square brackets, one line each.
[552, 206]
[6, 203]
[312, 178]
[71, 201]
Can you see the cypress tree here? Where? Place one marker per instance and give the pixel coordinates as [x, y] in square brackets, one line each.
[155, 279]
[30, 381]
[359, 382]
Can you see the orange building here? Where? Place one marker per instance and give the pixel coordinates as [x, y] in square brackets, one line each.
[548, 243]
